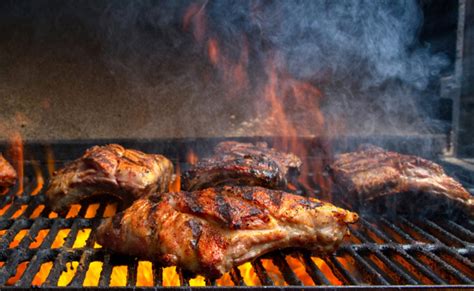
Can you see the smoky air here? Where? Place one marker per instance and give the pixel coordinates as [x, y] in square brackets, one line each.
[235, 68]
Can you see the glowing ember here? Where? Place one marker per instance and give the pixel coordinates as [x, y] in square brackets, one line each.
[326, 271]
[73, 211]
[60, 237]
[42, 274]
[299, 270]
[93, 274]
[198, 281]
[81, 239]
[248, 274]
[119, 276]
[37, 211]
[110, 210]
[39, 238]
[170, 277]
[68, 274]
[144, 274]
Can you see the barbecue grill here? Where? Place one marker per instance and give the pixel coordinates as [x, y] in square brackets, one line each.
[315, 78]
[39, 248]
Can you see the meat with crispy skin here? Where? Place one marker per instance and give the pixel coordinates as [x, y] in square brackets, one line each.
[109, 170]
[372, 173]
[7, 175]
[210, 231]
[243, 164]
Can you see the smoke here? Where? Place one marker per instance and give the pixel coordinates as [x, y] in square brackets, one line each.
[365, 56]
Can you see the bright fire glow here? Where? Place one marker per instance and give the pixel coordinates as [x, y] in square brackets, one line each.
[175, 185]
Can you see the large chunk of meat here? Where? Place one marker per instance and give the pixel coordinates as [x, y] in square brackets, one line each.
[371, 173]
[111, 170]
[7, 175]
[212, 230]
[243, 164]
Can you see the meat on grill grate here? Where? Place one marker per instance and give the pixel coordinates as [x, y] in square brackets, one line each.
[212, 230]
[7, 174]
[371, 173]
[243, 164]
[111, 170]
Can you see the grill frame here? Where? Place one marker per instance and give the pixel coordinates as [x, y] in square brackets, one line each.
[35, 154]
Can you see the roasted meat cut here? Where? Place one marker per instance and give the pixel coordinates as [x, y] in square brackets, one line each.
[109, 170]
[372, 173]
[212, 230]
[243, 164]
[7, 175]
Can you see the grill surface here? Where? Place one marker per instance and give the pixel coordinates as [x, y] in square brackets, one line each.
[381, 251]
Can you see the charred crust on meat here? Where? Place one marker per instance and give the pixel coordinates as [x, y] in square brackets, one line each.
[196, 230]
[192, 202]
[275, 197]
[155, 198]
[224, 209]
[310, 204]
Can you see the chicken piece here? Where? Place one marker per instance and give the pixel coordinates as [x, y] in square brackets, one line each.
[111, 170]
[243, 164]
[372, 173]
[210, 231]
[7, 175]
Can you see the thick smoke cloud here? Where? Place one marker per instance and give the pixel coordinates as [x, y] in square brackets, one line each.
[375, 75]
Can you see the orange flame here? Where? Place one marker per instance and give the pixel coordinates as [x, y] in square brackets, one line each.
[175, 185]
[191, 157]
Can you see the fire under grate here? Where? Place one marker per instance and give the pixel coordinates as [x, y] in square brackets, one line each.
[39, 248]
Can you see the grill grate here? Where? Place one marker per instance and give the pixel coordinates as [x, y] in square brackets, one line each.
[39, 248]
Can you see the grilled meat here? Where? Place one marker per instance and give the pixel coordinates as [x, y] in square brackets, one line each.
[7, 175]
[212, 230]
[111, 170]
[243, 164]
[372, 173]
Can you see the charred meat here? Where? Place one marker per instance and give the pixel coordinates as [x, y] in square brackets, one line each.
[210, 231]
[372, 173]
[111, 170]
[7, 175]
[243, 164]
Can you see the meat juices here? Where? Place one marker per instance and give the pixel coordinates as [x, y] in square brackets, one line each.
[371, 173]
[243, 164]
[210, 231]
[109, 170]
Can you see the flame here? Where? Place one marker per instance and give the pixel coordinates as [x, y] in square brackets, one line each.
[195, 15]
[213, 51]
[326, 271]
[175, 185]
[39, 179]
[170, 277]
[191, 157]
[50, 160]
[16, 152]
[248, 275]
[285, 96]
[144, 273]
